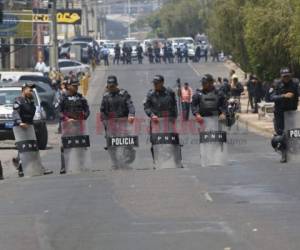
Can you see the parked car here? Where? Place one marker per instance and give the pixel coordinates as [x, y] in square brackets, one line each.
[15, 75]
[78, 68]
[36, 78]
[7, 97]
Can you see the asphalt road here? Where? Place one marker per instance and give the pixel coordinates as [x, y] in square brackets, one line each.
[253, 203]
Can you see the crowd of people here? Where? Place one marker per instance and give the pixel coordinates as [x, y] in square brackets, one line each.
[163, 53]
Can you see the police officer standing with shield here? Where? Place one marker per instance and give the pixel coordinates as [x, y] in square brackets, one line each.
[285, 95]
[214, 105]
[209, 108]
[73, 109]
[23, 113]
[161, 105]
[117, 106]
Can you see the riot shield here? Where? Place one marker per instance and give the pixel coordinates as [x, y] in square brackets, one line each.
[213, 143]
[76, 155]
[26, 144]
[292, 135]
[122, 143]
[166, 148]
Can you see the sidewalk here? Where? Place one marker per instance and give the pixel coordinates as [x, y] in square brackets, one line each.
[263, 125]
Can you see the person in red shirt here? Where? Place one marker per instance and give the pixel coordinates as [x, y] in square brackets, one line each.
[186, 94]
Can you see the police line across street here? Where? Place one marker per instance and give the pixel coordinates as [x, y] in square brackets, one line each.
[209, 108]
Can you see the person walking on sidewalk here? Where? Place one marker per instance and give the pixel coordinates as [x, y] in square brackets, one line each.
[186, 94]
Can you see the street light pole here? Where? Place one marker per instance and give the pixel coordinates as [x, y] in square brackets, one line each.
[129, 18]
[54, 42]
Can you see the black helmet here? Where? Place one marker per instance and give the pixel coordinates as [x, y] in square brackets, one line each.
[285, 72]
[112, 80]
[278, 142]
[28, 85]
[158, 78]
[207, 78]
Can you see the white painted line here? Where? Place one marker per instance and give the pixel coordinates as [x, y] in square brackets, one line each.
[208, 197]
[194, 69]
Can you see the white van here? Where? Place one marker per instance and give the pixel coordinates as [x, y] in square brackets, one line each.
[177, 41]
[15, 75]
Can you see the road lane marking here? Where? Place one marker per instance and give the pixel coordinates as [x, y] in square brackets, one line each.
[208, 197]
[194, 69]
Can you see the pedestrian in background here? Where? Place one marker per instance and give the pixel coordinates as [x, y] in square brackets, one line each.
[186, 94]
[250, 89]
[41, 66]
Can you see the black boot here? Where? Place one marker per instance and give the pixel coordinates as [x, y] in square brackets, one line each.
[1, 171]
[20, 170]
[62, 162]
[48, 171]
[283, 157]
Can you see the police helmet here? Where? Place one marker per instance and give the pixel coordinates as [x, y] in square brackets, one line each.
[112, 80]
[72, 81]
[285, 72]
[158, 79]
[278, 142]
[207, 78]
[28, 85]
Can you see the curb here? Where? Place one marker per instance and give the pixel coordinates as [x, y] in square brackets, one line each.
[256, 127]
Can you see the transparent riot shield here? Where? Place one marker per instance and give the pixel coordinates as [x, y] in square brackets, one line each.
[292, 134]
[28, 150]
[76, 155]
[213, 143]
[166, 148]
[122, 143]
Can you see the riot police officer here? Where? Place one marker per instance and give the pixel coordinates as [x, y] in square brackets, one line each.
[150, 54]
[208, 101]
[116, 102]
[140, 52]
[285, 95]
[117, 50]
[160, 105]
[160, 101]
[73, 106]
[23, 113]
[117, 107]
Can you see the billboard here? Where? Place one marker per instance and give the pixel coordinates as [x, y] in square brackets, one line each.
[17, 25]
[63, 16]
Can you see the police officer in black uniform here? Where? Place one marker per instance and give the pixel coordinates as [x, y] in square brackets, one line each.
[160, 101]
[117, 50]
[117, 103]
[73, 106]
[139, 51]
[285, 95]
[208, 101]
[23, 113]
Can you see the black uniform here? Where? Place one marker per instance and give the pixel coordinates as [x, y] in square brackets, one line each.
[116, 105]
[283, 104]
[117, 54]
[150, 54]
[207, 104]
[161, 104]
[74, 107]
[23, 110]
[139, 51]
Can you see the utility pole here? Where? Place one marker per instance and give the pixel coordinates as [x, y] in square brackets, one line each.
[54, 42]
[11, 41]
[129, 18]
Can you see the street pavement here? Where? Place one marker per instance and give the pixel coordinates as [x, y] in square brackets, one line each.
[253, 203]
